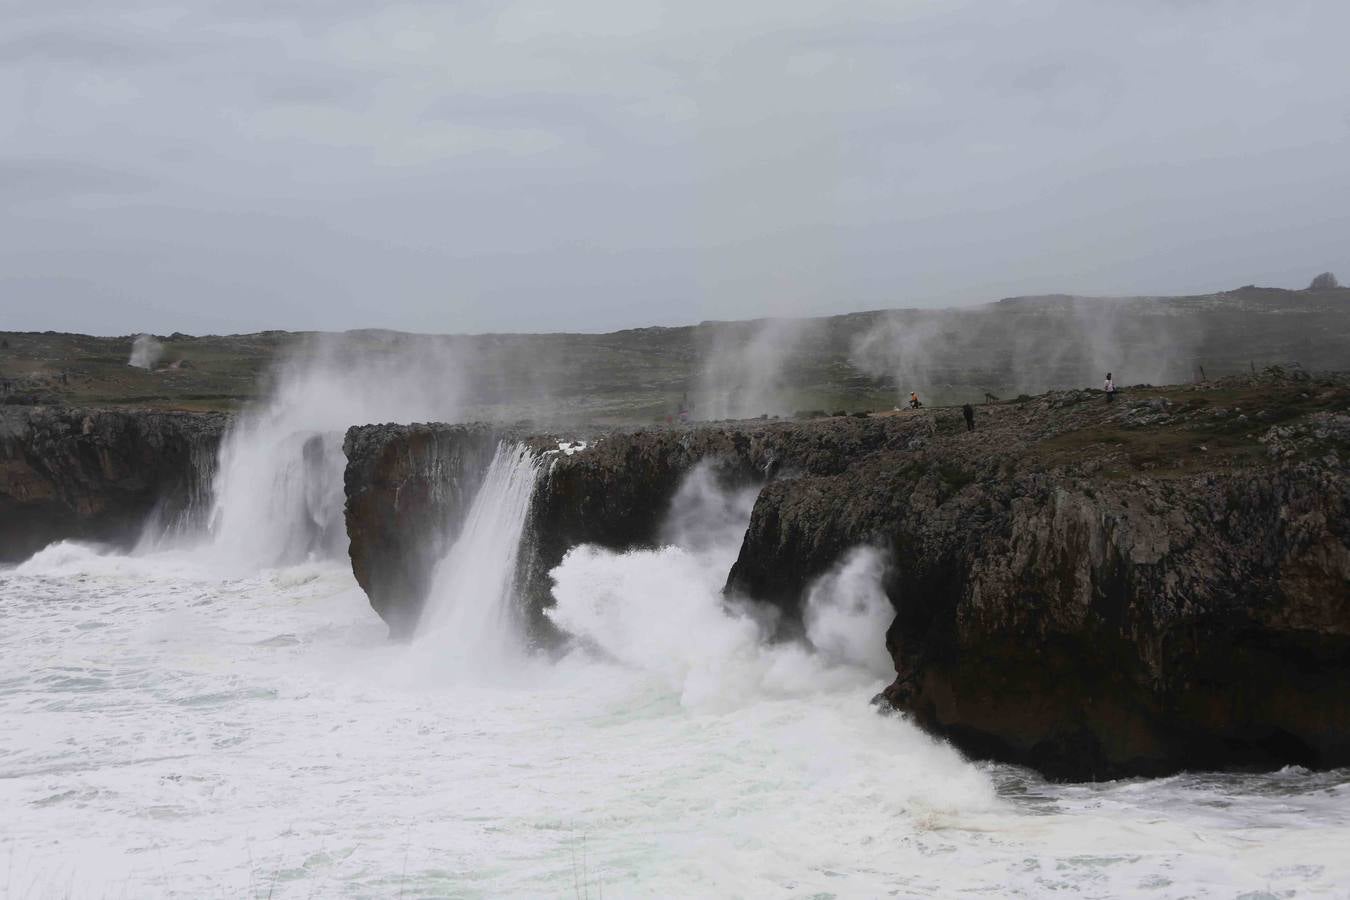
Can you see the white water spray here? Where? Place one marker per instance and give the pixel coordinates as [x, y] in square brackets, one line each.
[277, 493]
[179, 521]
[847, 613]
[744, 371]
[145, 352]
[663, 612]
[708, 515]
[472, 623]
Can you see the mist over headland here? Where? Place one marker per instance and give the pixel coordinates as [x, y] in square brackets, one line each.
[716, 369]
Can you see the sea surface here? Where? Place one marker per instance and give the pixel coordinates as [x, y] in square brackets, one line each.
[170, 727]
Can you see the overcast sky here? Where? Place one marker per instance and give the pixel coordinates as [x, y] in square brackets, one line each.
[539, 165]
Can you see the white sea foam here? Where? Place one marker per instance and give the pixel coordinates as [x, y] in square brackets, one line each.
[661, 611]
[175, 729]
[171, 732]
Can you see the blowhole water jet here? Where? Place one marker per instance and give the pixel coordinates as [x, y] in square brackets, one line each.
[145, 352]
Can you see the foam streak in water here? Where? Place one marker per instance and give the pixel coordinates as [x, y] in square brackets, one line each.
[472, 622]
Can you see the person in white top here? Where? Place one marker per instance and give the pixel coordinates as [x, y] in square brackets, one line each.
[1110, 388]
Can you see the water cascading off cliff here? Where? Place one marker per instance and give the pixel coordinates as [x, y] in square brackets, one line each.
[472, 623]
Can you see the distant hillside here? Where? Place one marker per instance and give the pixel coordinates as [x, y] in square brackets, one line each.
[741, 369]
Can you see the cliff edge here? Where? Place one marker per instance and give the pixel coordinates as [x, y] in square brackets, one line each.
[1093, 589]
[99, 475]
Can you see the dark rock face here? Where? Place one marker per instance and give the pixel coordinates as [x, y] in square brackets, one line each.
[1093, 611]
[99, 474]
[408, 488]
[1093, 590]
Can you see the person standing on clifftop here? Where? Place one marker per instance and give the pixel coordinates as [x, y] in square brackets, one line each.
[969, 412]
[1110, 388]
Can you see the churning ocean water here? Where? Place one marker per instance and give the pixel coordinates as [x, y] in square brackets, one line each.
[172, 730]
[177, 724]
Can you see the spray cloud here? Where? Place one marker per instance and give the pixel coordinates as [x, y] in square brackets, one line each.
[744, 369]
[1029, 345]
[145, 352]
[663, 611]
[708, 515]
[277, 492]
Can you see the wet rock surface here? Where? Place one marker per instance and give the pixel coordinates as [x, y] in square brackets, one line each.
[98, 475]
[1091, 589]
[1097, 594]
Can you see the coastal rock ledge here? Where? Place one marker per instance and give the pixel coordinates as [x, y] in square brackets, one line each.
[101, 475]
[1094, 590]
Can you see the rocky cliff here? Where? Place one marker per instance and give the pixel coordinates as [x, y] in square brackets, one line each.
[1094, 590]
[99, 474]
[1091, 589]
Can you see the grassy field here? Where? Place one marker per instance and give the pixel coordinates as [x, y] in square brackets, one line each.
[861, 361]
[1220, 426]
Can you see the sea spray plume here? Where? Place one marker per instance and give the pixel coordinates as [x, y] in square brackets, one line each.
[511, 377]
[277, 493]
[1028, 345]
[900, 345]
[145, 352]
[956, 354]
[663, 611]
[1064, 341]
[744, 368]
[1148, 341]
[709, 514]
[847, 612]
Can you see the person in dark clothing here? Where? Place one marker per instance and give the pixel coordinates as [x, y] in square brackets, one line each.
[969, 412]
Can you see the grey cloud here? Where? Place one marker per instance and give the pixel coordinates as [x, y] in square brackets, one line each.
[302, 87]
[477, 166]
[23, 180]
[81, 46]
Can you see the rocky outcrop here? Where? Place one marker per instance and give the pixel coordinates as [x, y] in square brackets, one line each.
[1092, 589]
[99, 475]
[1098, 592]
